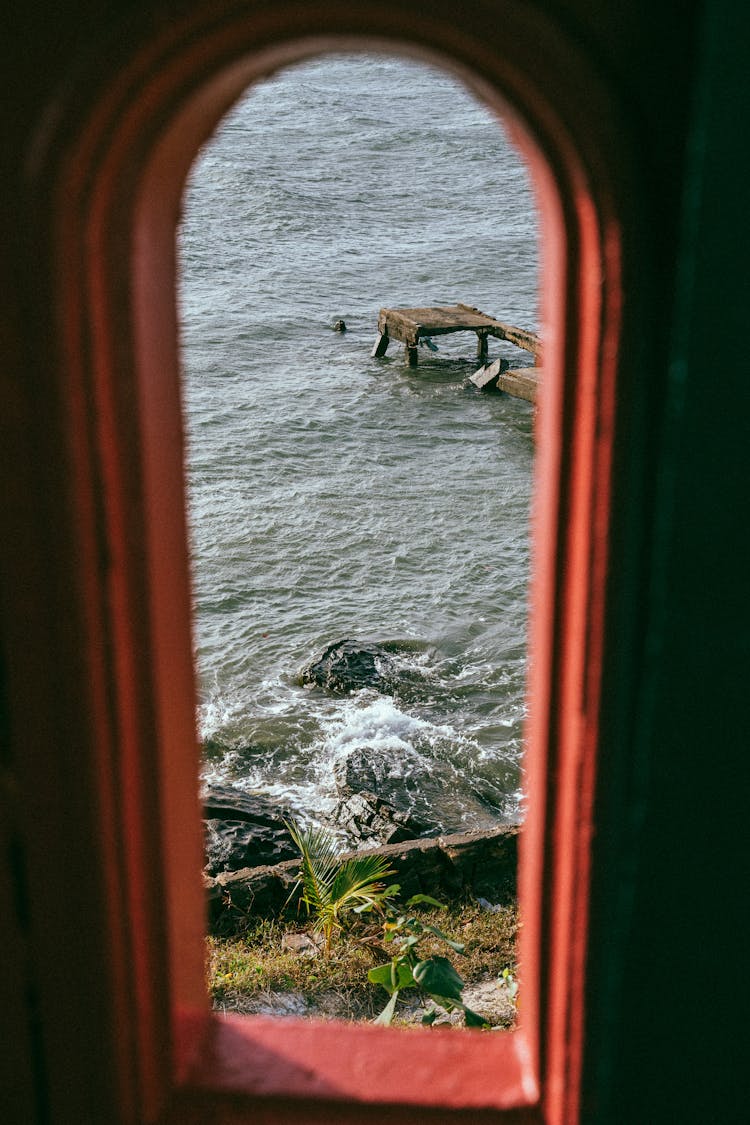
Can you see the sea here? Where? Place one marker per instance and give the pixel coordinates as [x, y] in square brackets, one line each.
[333, 495]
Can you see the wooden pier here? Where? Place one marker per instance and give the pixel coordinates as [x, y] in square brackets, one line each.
[413, 326]
[521, 382]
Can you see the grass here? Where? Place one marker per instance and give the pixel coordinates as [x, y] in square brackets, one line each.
[252, 972]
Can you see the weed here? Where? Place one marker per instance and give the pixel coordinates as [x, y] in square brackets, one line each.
[433, 976]
[250, 971]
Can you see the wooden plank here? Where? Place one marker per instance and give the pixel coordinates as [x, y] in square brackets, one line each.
[409, 325]
[521, 383]
[521, 337]
[381, 345]
[486, 377]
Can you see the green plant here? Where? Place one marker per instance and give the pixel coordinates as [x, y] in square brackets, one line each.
[507, 980]
[332, 887]
[433, 976]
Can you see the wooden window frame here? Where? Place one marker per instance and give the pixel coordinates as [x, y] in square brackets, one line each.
[107, 176]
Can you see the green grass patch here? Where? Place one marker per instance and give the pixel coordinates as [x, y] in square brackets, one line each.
[248, 967]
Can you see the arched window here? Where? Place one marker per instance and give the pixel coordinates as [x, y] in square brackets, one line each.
[114, 172]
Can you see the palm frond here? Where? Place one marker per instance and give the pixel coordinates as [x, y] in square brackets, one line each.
[330, 886]
[319, 864]
[360, 878]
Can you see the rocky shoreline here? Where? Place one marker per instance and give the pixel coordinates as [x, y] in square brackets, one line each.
[252, 862]
[481, 865]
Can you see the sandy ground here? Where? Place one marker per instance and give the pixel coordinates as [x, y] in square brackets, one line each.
[488, 998]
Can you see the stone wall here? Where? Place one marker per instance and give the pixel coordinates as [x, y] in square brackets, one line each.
[478, 864]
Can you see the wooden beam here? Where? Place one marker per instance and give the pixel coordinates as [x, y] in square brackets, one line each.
[381, 345]
[486, 377]
[521, 337]
[521, 383]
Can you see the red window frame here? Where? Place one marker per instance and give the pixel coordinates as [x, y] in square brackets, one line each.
[110, 171]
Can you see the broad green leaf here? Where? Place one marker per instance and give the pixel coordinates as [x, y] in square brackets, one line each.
[392, 977]
[429, 1017]
[386, 1015]
[381, 974]
[404, 978]
[474, 1020]
[416, 899]
[437, 976]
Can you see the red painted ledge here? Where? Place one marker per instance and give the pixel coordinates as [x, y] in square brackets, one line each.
[258, 1058]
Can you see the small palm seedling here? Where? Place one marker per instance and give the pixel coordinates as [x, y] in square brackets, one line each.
[332, 887]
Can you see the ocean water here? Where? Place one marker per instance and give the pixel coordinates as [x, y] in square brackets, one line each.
[333, 495]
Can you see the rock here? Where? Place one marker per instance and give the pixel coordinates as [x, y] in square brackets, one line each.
[486, 863]
[339, 326]
[356, 773]
[347, 666]
[243, 830]
[366, 818]
[472, 863]
[363, 814]
[278, 1004]
[415, 795]
[490, 907]
[263, 892]
[395, 668]
[304, 945]
[487, 998]
[225, 802]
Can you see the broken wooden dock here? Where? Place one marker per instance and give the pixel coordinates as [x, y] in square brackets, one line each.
[414, 326]
[520, 382]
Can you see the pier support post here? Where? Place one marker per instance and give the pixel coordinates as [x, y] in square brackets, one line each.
[482, 350]
[412, 355]
[381, 345]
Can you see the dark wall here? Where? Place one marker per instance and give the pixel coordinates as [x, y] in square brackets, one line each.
[680, 1055]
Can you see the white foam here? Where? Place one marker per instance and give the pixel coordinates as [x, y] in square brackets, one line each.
[379, 724]
[218, 710]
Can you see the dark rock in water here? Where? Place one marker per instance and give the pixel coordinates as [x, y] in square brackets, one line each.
[421, 794]
[339, 326]
[233, 844]
[351, 666]
[366, 818]
[357, 772]
[243, 830]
